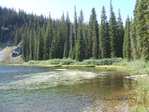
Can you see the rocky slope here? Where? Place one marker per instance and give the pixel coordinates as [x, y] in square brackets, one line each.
[11, 54]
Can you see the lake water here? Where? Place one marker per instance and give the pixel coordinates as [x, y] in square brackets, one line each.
[38, 89]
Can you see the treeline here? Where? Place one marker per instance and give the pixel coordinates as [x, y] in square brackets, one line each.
[46, 38]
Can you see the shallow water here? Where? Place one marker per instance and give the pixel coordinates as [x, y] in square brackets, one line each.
[38, 89]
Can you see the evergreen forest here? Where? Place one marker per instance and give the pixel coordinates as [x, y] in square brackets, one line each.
[44, 38]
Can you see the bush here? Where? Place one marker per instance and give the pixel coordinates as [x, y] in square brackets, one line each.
[32, 62]
[54, 61]
[67, 61]
[121, 62]
[105, 61]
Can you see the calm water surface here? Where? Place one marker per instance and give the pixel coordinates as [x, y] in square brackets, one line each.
[38, 89]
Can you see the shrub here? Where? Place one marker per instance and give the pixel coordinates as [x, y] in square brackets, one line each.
[121, 62]
[67, 61]
[54, 61]
[105, 61]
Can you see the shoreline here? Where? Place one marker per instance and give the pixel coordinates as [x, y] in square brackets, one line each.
[68, 63]
[106, 67]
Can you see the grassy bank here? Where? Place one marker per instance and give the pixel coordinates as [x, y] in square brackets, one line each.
[102, 63]
[136, 67]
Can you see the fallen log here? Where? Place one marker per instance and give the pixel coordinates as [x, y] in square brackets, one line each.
[136, 76]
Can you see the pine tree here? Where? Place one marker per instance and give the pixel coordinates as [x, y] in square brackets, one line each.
[54, 45]
[90, 40]
[36, 44]
[93, 39]
[120, 36]
[31, 45]
[59, 50]
[52, 50]
[104, 36]
[142, 18]
[85, 30]
[127, 41]
[134, 41]
[24, 45]
[113, 32]
[66, 45]
[48, 39]
[17, 37]
[63, 34]
[71, 42]
[40, 47]
[75, 28]
[59, 41]
[80, 50]
[133, 34]
[75, 34]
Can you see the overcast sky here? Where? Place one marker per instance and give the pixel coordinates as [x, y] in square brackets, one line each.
[56, 7]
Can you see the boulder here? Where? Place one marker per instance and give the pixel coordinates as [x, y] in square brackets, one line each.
[17, 51]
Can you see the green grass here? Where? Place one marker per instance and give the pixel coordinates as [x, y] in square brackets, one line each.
[137, 66]
[141, 96]
[78, 66]
[111, 67]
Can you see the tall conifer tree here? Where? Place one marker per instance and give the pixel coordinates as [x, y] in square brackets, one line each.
[133, 34]
[104, 36]
[113, 32]
[40, 46]
[127, 41]
[93, 39]
[31, 45]
[142, 26]
[17, 35]
[66, 44]
[75, 28]
[71, 42]
[48, 39]
[120, 36]
[80, 49]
